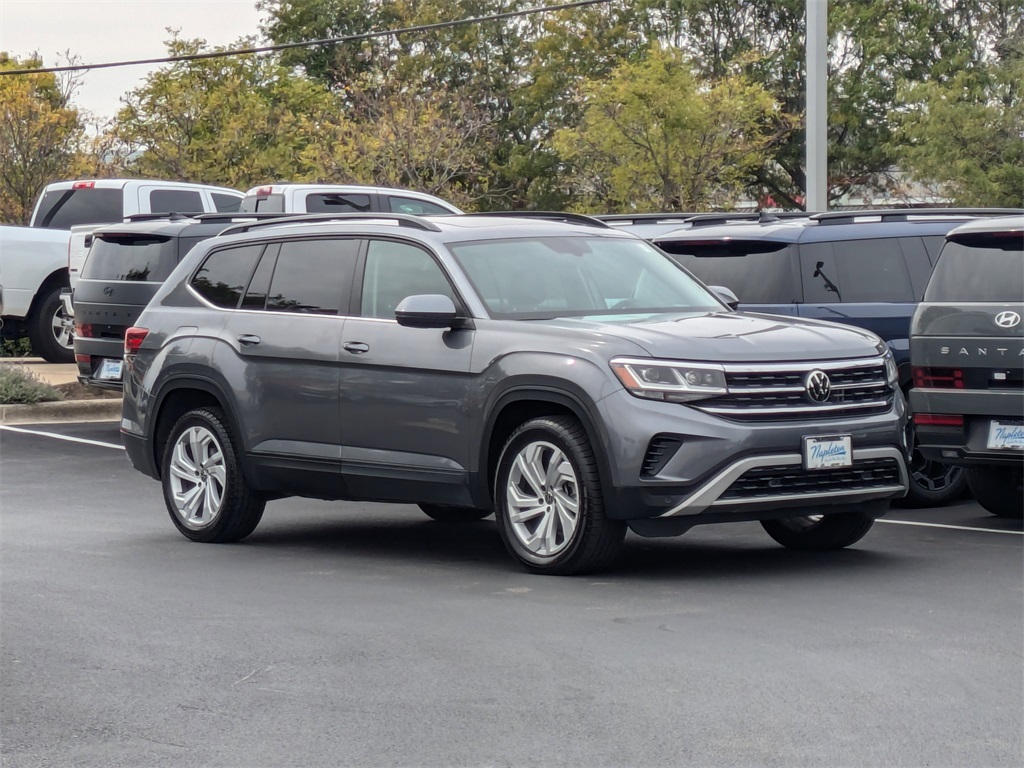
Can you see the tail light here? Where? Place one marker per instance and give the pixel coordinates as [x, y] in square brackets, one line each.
[83, 330]
[938, 420]
[265, 191]
[83, 359]
[83, 185]
[133, 339]
[938, 378]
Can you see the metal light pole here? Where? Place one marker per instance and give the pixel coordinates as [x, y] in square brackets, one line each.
[816, 120]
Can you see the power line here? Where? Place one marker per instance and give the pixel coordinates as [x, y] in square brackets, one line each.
[308, 43]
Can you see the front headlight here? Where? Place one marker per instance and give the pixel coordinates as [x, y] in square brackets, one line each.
[892, 373]
[669, 380]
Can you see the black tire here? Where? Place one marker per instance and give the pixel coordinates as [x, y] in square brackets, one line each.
[44, 338]
[932, 484]
[238, 509]
[582, 541]
[820, 532]
[1000, 490]
[446, 514]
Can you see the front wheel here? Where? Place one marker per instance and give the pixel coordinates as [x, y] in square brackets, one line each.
[207, 496]
[445, 514]
[548, 500]
[50, 329]
[1000, 490]
[819, 532]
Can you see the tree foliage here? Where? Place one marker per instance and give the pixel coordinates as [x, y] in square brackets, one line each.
[656, 137]
[41, 135]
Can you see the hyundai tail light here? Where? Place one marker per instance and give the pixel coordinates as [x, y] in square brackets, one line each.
[938, 378]
[938, 420]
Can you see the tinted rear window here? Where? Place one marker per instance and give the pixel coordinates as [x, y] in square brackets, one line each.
[337, 203]
[758, 272]
[131, 257]
[66, 208]
[985, 268]
[226, 203]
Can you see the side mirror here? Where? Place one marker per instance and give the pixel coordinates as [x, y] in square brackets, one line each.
[429, 310]
[726, 295]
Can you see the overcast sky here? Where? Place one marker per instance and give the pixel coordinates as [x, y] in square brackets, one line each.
[98, 31]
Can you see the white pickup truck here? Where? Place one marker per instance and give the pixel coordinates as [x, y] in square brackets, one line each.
[41, 260]
[341, 198]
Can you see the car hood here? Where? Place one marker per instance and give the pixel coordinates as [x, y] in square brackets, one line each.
[732, 336]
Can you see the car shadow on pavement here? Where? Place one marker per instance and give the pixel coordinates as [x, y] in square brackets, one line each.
[421, 543]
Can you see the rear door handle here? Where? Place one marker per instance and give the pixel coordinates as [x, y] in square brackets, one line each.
[356, 347]
[249, 339]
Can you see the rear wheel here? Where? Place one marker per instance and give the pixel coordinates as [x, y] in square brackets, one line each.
[932, 484]
[548, 501]
[446, 514]
[1000, 490]
[207, 495]
[50, 329]
[818, 532]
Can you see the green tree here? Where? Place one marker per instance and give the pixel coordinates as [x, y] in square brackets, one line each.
[41, 135]
[656, 137]
[236, 121]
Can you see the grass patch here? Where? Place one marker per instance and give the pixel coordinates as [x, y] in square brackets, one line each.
[19, 386]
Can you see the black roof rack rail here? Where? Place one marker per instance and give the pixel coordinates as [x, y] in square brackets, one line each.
[644, 218]
[568, 218]
[761, 217]
[903, 214]
[402, 219]
[131, 218]
[228, 215]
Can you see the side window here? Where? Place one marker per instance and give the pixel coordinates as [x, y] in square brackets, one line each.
[226, 203]
[313, 277]
[397, 270]
[256, 294]
[414, 206]
[337, 203]
[819, 274]
[269, 204]
[917, 262]
[175, 201]
[222, 278]
[872, 270]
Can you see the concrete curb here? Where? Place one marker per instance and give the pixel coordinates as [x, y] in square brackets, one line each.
[104, 409]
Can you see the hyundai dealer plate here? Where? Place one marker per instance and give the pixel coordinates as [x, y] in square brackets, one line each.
[1003, 435]
[110, 370]
[828, 452]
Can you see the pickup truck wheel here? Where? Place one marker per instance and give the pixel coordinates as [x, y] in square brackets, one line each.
[1000, 490]
[206, 493]
[446, 514]
[548, 500]
[50, 329]
[817, 532]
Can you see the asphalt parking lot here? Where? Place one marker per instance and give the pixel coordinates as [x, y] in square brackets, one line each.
[368, 635]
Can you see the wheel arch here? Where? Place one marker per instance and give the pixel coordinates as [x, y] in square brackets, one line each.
[56, 279]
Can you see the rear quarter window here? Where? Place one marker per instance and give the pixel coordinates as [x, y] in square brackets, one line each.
[982, 268]
[223, 277]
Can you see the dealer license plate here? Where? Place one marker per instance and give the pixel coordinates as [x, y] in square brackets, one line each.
[828, 452]
[110, 370]
[1004, 435]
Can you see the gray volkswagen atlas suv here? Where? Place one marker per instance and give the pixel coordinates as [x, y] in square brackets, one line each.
[565, 376]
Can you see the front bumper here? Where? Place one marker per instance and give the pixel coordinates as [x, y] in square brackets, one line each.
[743, 470]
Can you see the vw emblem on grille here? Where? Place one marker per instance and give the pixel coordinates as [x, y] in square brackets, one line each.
[819, 388]
[1007, 319]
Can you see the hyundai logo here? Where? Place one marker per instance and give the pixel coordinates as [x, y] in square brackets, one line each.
[1007, 319]
[108, 291]
[819, 388]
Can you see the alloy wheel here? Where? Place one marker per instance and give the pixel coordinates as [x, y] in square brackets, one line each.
[543, 497]
[198, 477]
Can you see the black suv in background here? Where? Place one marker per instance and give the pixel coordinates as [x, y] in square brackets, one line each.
[570, 378]
[862, 268]
[967, 347]
[125, 266]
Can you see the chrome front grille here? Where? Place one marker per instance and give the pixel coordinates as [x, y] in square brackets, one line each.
[779, 392]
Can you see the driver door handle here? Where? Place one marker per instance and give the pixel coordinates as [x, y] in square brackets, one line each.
[249, 339]
[355, 347]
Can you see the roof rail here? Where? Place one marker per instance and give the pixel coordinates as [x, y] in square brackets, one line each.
[568, 218]
[169, 215]
[761, 217]
[402, 219]
[905, 214]
[229, 216]
[644, 218]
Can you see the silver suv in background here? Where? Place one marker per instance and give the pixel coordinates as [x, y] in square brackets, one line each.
[967, 351]
[567, 377]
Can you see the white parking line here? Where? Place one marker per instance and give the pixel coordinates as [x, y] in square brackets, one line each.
[56, 436]
[953, 527]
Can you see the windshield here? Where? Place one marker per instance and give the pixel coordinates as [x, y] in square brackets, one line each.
[146, 258]
[547, 277]
[66, 208]
[989, 268]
